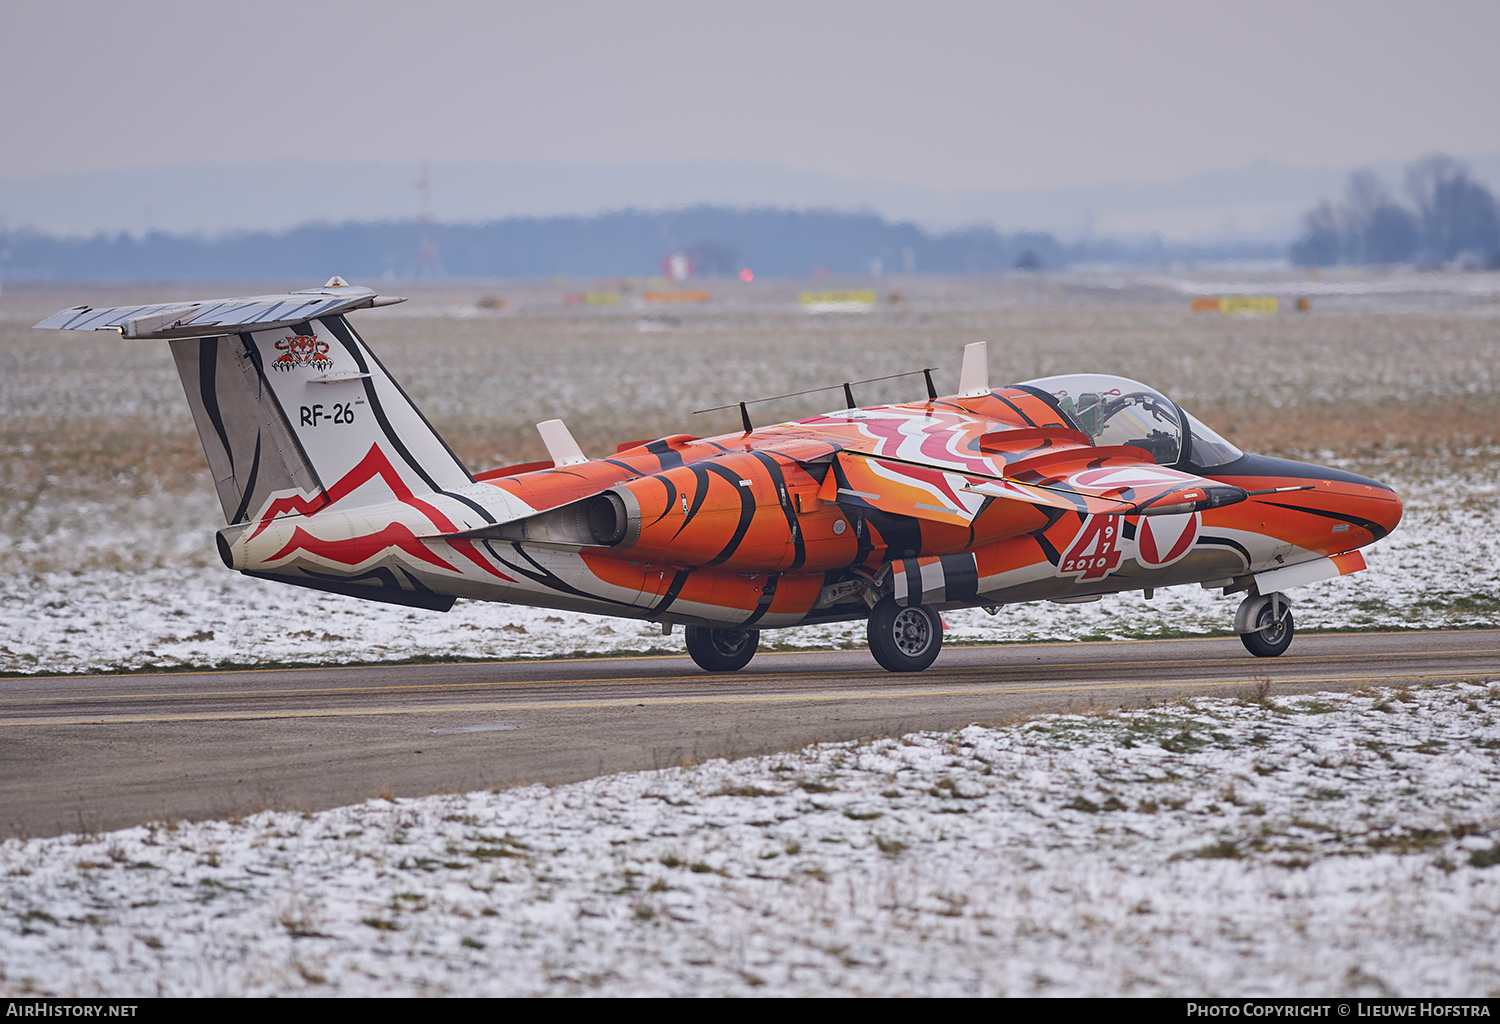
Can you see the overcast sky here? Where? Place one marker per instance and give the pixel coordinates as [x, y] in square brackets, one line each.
[940, 94]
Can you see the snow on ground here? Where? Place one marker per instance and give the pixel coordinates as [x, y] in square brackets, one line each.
[1332, 844]
[1441, 568]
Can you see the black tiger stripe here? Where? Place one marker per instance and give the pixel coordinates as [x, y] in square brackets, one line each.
[679, 580]
[1054, 516]
[345, 338]
[540, 575]
[247, 342]
[671, 500]
[665, 454]
[1376, 530]
[268, 394]
[1054, 404]
[249, 491]
[471, 503]
[854, 514]
[416, 584]
[763, 604]
[911, 574]
[1018, 411]
[984, 507]
[389, 591]
[208, 364]
[1225, 542]
[340, 329]
[902, 535]
[700, 474]
[747, 512]
[339, 322]
[778, 479]
[623, 465]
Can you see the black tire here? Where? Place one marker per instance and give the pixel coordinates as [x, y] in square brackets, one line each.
[905, 639]
[722, 650]
[1271, 637]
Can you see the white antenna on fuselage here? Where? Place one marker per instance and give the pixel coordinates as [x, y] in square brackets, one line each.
[974, 378]
[560, 444]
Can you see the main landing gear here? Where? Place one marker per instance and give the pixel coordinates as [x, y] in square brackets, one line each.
[722, 650]
[905, 639]
[1264, 623]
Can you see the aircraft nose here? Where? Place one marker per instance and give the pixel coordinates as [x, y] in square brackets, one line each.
[1388, 510]
[1361, 498]
[1321, 492]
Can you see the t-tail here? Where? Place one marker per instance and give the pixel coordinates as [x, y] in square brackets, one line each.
[295, 413]
[293, 408]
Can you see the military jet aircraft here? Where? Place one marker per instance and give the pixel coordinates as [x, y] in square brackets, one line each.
[1061, 489]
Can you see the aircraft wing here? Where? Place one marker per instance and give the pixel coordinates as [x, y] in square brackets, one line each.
[930, 468]
[1121, 480]
[1088, 480]
[902, 488]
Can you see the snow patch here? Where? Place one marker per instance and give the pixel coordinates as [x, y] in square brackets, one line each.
[1332, 844]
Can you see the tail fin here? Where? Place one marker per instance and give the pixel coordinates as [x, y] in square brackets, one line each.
[293, 409]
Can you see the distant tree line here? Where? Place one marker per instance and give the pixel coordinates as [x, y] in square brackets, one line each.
[775, 243]
[1448, 218]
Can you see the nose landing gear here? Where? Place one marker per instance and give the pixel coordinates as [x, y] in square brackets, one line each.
[1264, 623]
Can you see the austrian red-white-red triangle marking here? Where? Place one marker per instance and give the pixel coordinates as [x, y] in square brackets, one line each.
[1162, 540]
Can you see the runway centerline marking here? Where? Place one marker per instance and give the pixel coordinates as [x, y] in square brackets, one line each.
[688, 701]
[957, 645]
[1297, 660]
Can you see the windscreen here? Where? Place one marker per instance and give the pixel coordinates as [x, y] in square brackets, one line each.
[1206, 448]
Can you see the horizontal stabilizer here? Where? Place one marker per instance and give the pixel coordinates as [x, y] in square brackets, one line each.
[210, 318]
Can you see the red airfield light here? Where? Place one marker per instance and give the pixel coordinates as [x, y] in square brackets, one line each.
[746, 274]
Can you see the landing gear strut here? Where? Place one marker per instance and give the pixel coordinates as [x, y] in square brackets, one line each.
[1264, 623]
[905, 639]
[722, 650]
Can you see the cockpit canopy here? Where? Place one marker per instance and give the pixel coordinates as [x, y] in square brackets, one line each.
[1117, 410]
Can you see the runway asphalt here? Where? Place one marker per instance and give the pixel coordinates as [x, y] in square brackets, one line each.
[91, 753]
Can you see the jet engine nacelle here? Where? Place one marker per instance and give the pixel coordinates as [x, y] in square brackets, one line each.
[748, 510]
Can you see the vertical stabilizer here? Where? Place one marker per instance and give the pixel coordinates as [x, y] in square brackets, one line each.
[349, 416]
[294, 410]
[252, 452]
[295, 418]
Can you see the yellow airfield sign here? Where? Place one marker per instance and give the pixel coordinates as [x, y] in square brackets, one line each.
[837, 300]
[1236, 304]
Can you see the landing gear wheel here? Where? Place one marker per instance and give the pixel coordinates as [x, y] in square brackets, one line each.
[905, 639]
[1271, 637]
[722, 650]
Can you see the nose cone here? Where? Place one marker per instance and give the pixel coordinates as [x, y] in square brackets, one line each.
[1335, 510]
[1388, 510]
[1361, 501]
